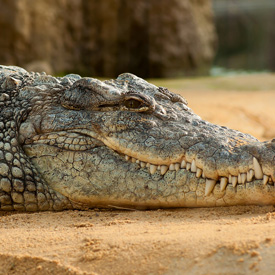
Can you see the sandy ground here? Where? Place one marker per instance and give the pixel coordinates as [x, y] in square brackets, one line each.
[231, 240]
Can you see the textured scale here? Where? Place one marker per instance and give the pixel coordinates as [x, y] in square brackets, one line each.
[21, 186]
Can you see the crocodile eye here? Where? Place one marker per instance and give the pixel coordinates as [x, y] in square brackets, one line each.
[137, 102]
[132, 103]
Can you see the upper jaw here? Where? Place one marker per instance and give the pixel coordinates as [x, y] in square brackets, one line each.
[245, 164]
[241, 164]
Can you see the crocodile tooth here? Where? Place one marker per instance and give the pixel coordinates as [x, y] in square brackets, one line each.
[133, 160]
[223, 183]
[183, 164]
[137, 161]
[209, 186]
[243, 177]
[127, 157]
[249, 178]
[198, 173]
[153, 168]
[147, 164]
[234, 181]
[258, 170]
[177, 166]
[142, 164]
[250, 175]
[158, 167]
[188, 166]
[193, 166]
[265, 179]
[239, 179]
[203, 175]
[163, 169]
[230, 179]
[172, 166]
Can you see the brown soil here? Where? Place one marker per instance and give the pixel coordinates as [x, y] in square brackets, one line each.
[229, 240]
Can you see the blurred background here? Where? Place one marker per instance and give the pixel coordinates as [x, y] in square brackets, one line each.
[168, 41]
[150, 38]
[246, 35]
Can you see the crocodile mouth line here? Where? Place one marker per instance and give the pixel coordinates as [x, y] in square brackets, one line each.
[241, 178]
[81, 141]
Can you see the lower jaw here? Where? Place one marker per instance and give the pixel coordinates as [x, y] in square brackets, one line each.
[101, 178]
[252, 194]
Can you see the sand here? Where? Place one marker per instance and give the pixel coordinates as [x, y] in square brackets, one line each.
[226, 240]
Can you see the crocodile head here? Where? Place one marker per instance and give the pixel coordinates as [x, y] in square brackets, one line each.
[126, 142]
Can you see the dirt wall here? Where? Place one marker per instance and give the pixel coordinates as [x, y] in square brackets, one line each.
[156, 38]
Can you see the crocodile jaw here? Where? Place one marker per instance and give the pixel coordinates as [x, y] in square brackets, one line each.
[103, 178]
[102, 175]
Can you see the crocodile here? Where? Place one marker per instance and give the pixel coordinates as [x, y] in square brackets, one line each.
[77, 143]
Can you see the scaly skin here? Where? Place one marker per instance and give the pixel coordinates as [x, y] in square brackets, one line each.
[77, 142]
